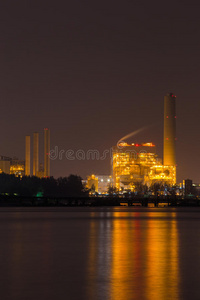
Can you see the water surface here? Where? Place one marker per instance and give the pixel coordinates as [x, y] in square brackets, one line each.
[99, 253]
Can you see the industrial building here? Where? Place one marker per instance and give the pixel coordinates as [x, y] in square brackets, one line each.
[138, 163]
[99, 183]
[13, 166]
[92, 183]
[20, 168]
[17, 167]
[104, 181]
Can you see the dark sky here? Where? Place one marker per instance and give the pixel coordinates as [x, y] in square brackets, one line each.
[93, 71]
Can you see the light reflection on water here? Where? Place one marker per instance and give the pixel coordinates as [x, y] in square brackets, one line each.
[137, 259]
[103, 253]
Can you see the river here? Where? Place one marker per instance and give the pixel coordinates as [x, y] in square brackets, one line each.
[107, 253]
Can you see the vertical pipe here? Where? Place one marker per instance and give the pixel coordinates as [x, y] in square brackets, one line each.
[169, 147]
[35, 153]
[27, 155]
[46, 152]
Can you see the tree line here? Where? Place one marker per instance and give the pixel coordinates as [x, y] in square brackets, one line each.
[32, 186]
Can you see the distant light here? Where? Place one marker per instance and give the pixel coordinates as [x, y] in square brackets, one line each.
[175, 117]
[167, 139]
[167, 117]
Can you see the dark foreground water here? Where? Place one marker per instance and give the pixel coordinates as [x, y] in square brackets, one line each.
[103, 253]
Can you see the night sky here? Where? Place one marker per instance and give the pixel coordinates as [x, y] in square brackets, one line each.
[94, 71]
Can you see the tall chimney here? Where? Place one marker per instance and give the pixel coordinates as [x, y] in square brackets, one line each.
[46, 152]
[28, 155]
[169, 148]
[35, 153]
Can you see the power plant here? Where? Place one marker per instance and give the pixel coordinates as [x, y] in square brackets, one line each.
[139, 163]
[132, 163]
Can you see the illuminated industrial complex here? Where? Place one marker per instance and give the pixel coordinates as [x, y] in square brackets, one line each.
[134, 164]
[12, 166]
[139, 163]
[20, 168]
[99, 183]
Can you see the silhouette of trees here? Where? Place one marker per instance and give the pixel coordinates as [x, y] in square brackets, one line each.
[112, 191]
[33, 186]
[141, 189]
[70, 186]
[157, 187]
[9, 184]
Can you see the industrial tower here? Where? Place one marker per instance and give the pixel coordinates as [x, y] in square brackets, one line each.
[46, 152]
[169, 147]
[28, 155]
[35, 153]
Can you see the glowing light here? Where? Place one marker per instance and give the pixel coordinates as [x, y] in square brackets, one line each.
[148, 145]
[143, 167]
